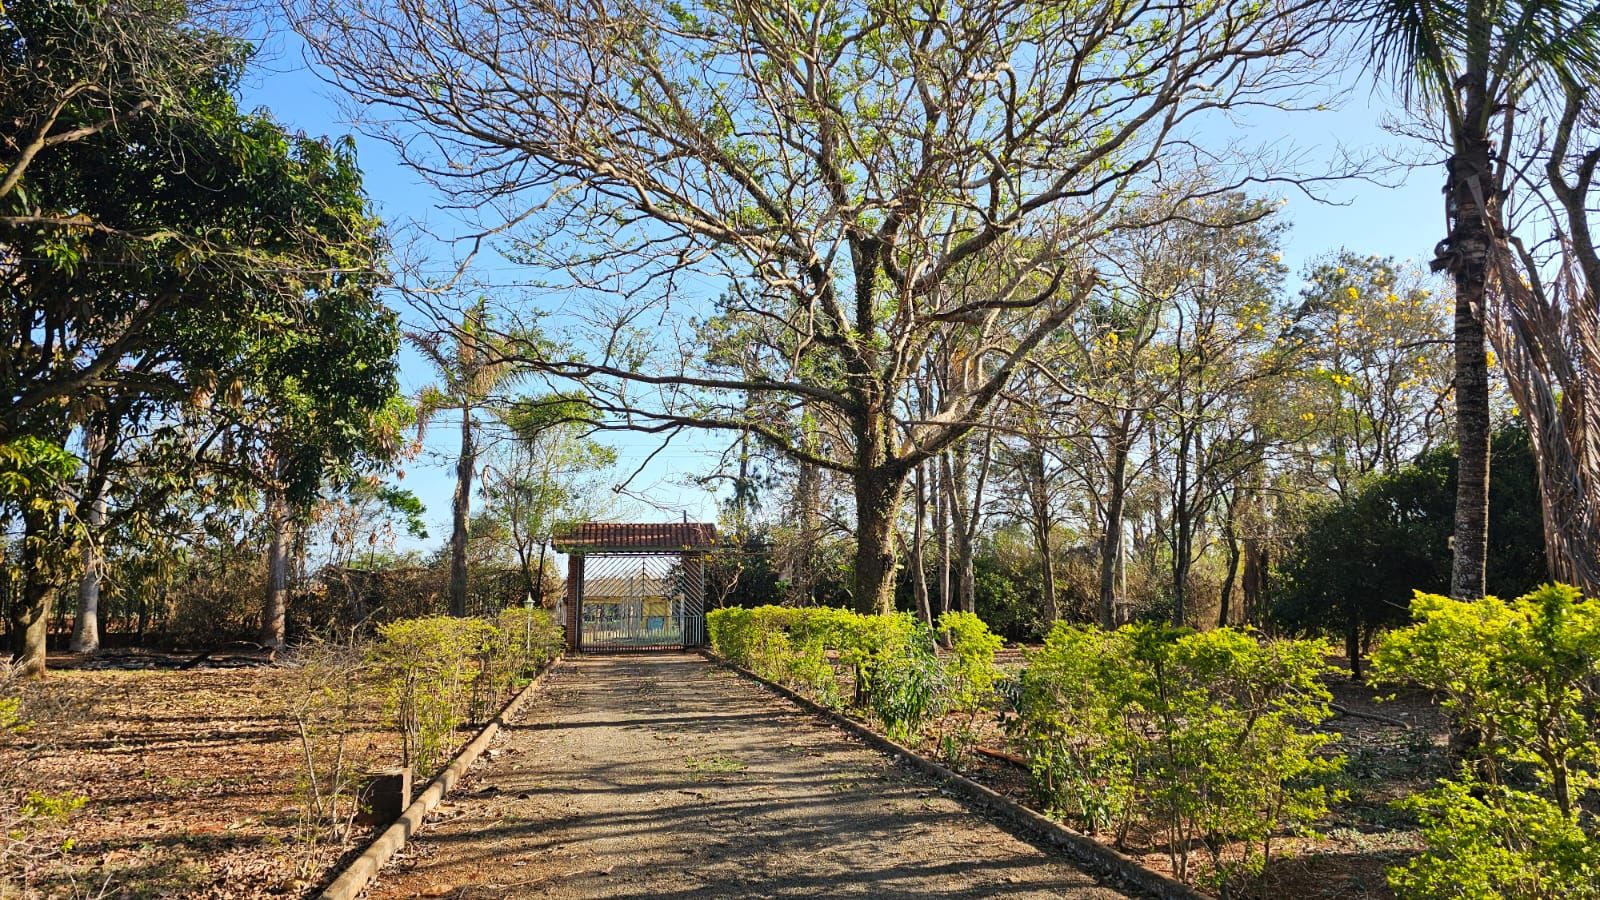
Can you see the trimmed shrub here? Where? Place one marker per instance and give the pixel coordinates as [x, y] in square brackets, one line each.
[819, 650]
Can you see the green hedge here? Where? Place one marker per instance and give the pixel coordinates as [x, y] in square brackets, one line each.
[884, 664]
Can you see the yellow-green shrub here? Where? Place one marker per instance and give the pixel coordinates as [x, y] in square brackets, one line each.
[889, 657]
[971, 668]
[442, 671]
[1209, 736]
[1522, 676]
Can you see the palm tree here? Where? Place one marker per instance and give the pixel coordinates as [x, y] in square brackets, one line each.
[1473, 62]
[473, 363]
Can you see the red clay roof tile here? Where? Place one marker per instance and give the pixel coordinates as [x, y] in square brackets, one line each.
[594, 537]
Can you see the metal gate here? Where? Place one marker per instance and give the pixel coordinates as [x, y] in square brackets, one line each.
[641, 602]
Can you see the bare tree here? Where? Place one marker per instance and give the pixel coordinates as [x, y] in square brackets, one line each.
[865, 182]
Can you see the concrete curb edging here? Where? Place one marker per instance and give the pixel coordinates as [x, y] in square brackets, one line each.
[361, 870]
[1084, 850]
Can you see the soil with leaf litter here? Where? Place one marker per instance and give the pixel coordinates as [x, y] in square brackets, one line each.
[193, 780]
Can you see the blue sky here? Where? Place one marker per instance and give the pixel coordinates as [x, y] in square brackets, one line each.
[1404, 220]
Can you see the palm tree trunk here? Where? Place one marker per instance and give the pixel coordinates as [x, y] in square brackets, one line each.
[460, 515]
[1470, 560]
[1472, 190]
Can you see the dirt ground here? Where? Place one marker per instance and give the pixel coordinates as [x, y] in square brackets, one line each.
[664, 776]
[191, 782]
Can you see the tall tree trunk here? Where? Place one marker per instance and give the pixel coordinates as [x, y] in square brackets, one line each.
[1253, 579]
[803, 588]
[92, 500]
[941, 527]
[1472, 191]
[30, 613]
[1352, 642]
[1047, 562]
[1185, 521]
[539, 604]
[460, 515]
[966, 515]
[919, 573]
[955, 485]
[86, 625]
[1231, 536]
[877, 500]
[1043, 522]
[967, 584]
[279, 541]
[1111, 544]
[1470, 560]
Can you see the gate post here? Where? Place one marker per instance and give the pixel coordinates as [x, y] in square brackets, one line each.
[574, 600]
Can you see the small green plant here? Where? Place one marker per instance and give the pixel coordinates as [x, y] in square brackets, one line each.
[713, 765]
[53, 809]
[971, 669]
[970, 678]
[907, 689]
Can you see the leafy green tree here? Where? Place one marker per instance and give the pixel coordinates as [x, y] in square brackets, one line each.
[1376, 379]
[152, 243]
[170, 257]
[544, 478]
[1356, 559]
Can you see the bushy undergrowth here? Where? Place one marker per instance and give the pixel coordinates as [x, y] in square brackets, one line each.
[1523, 680]
[1209, 737]
[443, 671]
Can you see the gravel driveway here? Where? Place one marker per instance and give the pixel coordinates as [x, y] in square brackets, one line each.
[664, 776]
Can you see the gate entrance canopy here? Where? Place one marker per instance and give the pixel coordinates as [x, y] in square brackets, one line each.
[636, 586]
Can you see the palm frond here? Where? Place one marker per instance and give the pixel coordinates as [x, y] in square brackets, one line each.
[430, 402]
[1413, 43]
